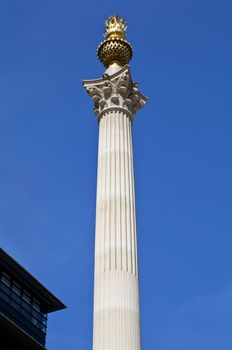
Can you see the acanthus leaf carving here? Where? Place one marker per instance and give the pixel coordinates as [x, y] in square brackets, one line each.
[115, 92]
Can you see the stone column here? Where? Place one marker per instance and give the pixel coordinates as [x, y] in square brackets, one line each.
[116, 291]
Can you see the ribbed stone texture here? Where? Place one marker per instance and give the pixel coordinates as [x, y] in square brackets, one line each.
[116, 290]
[116, 297]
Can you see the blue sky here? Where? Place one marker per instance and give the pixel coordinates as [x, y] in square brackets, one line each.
[182, 153]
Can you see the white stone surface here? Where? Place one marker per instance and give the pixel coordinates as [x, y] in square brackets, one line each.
[114, 68]
[116, 289]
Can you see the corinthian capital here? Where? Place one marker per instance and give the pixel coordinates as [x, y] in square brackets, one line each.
[115, 92]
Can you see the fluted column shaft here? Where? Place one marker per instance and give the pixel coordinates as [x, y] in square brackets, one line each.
[116, 294]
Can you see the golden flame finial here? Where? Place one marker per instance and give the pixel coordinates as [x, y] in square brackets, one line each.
[115, 28]
[115, 49]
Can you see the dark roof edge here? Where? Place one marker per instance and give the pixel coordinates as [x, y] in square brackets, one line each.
[53, 303]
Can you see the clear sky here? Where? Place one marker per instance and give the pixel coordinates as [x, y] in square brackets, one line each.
[182, 151]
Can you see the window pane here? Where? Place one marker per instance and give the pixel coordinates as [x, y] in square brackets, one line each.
[15, 304]
[16, 288]
[5, 289]
[16, 297]
[5, 293]
[26, 296]
[6, 279]
[26, 306]
[36, 304]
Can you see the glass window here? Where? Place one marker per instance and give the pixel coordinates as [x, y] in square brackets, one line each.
[36, 304]
[26, 304]
[16, 298]
[5, 286]
[5, 292]
[15, 304]
[16, 288]
[26, 296]
[6, 279]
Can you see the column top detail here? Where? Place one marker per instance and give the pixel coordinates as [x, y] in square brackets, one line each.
[115, 92]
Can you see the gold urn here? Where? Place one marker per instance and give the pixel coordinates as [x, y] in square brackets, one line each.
[115, 49]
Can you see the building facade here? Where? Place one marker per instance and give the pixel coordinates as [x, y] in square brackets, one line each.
[24, 306]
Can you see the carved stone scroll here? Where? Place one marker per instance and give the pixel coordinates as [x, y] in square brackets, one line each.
[115, 92]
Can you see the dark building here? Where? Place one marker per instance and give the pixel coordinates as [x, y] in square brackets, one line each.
[24, 305]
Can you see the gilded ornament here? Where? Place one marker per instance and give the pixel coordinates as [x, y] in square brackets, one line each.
[115, 49]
